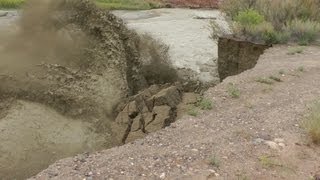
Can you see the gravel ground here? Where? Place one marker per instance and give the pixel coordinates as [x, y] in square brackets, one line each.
[255, 136]
[187, 33]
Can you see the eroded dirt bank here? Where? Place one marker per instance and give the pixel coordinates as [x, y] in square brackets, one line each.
[65, 66]
[256, 136]
[187, 32]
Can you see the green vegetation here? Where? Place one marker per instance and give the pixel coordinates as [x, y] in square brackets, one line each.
[233, 91]
[10, 4]
[214, 161]
[268, 162]
[127, 4]
[242, 176]
[249, 17]
[281, 72]
[312, 123]
[107, 4]
[303, 31]
[264, 81]
[275, 78]
[275, 21]
[301, 69]
[204, 104]
[193, 111]
[295, 50]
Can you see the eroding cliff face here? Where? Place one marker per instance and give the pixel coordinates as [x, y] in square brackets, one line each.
[63, 70]
[236, 56]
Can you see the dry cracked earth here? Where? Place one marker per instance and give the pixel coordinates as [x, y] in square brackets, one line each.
[255, 136]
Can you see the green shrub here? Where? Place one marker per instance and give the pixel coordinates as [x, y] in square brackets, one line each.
[249, 17]
[262, 32]
[275, 21]
[193, 111]
[204, 104]
[233, 7]
[233, 90]
[303, 32]
[124, 4]
[295, 50]
[312, 123]
[214, 161]
[10, 4]
[275, 78]
[264, 81]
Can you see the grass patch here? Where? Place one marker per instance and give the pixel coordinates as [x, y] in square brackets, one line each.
[193, 111]
[281, 72]
[214, 161]
[264, 81]
[312, 123]
[233, 91]
[301, 69]
[11, 4]
[106, 4]
[204, 104]
[295, 50]
[268, 162]
[127, 4]
[275, 78]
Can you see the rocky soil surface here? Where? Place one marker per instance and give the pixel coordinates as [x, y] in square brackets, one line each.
[253, 132]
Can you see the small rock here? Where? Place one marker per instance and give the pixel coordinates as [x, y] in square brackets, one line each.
[3, 14]
[163, 175]
[258, 141]
[282, 145]
[265, 136]
[272, 145]
[279, 140]
[89, 174]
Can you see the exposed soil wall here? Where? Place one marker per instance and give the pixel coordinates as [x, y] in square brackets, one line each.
[236, 56]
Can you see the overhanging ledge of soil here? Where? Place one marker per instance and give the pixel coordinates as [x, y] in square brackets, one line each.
[236, 56]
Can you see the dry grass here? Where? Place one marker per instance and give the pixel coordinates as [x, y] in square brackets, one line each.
[233, 91]
[193, 3]
[295, 50]
[128, 4]
[285, 20]
[107, 4]
[312, 123]
[131, 4]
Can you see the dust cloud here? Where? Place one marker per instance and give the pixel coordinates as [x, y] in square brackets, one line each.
[40, 35]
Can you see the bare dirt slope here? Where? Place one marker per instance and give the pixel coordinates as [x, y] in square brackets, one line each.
[255, 136]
